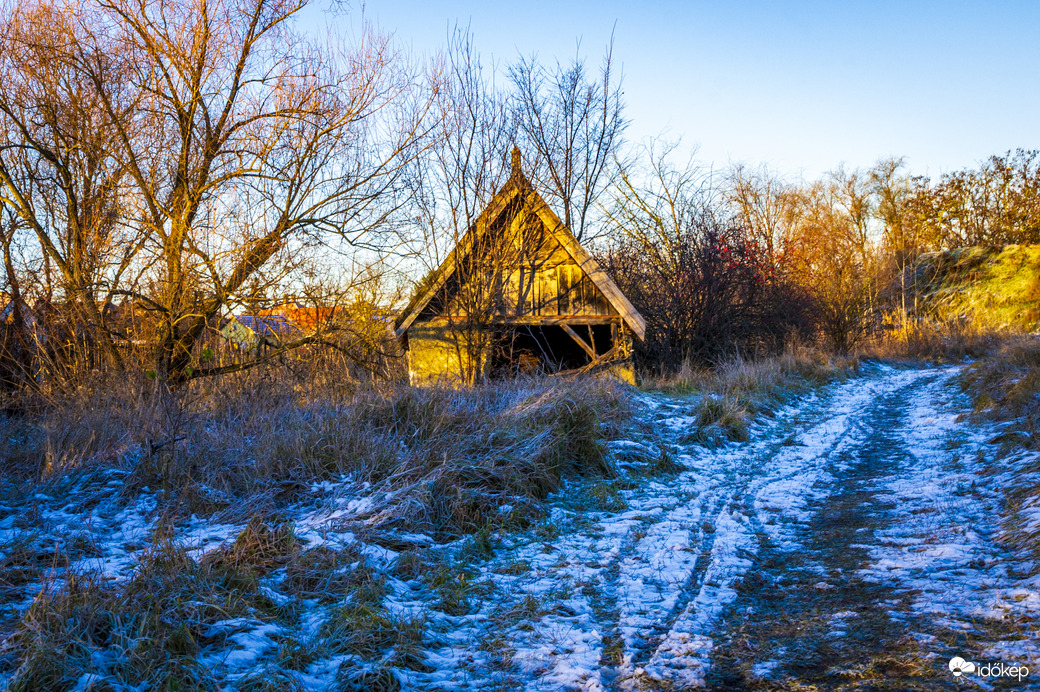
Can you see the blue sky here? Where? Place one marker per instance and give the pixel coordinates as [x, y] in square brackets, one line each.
[801, 86]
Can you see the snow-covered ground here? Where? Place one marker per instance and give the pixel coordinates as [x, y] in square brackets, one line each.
[635, 599]
[870, 506]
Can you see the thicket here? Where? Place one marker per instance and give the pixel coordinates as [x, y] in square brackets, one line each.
[716, 296]
[855, 261]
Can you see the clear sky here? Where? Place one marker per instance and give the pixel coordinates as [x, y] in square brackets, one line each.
[801, 86]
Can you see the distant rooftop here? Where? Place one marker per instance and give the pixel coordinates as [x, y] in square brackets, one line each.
[268, 325]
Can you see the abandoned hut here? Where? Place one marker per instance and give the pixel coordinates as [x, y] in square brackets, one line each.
[518, 294]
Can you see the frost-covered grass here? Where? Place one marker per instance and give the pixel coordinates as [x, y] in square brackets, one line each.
[1005, 389]
[627, 593]
[252, 447]
[538, 535]
[261, 538]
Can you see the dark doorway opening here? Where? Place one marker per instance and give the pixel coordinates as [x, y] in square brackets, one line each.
[531, 349]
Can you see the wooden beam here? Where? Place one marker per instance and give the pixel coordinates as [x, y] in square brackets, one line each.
[604, 360]
[581, 342]
[536, 320]
[555, 321]
[611, 355]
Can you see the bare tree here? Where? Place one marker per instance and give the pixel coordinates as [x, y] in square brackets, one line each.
[58, 169]
[892, 189]
[16, 338]
[996, 204]
[460, 177]
[766, 204]
[502, 275]
[852, 195]
[236, 141]
[833, 264]
[575, 123]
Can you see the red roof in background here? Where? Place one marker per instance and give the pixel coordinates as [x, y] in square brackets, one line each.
[306, 318]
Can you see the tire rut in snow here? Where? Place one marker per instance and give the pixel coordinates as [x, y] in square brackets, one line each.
[754, 545]
[640, 655]
[763, 468]
[807, 616]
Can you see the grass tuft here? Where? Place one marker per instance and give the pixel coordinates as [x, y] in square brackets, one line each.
[323, 573]
[735, 391]
[257, 550]
[147, 633]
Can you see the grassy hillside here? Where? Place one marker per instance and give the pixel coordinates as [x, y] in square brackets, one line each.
[986, 288]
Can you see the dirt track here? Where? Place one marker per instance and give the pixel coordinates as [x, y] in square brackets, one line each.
[848, 545]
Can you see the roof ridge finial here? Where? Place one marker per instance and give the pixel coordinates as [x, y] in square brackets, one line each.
[516, 161]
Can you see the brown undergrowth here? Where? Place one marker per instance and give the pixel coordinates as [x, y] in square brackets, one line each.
[735, 391]
[258, 443]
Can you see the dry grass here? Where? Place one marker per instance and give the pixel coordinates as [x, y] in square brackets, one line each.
[601, 496]
[149, 630]
[469, 454]
[1005, 387]
[450, 457]
[256, 551]
[762, 382]
[988, 288]
[253, 449]
[966, 303]
[324, 574]
[928, 338]
[735, 391]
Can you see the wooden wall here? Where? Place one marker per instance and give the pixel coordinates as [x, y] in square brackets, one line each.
[540, 279]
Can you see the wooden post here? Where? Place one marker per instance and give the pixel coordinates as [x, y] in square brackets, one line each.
[581, 342]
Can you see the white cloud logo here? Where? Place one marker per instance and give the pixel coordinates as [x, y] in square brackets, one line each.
[958, 666]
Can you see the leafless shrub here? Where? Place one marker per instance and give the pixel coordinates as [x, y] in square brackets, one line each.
[707, 285]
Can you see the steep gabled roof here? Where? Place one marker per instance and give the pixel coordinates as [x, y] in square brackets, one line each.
[517, 186]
